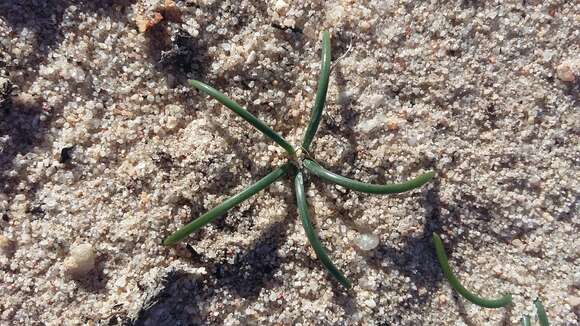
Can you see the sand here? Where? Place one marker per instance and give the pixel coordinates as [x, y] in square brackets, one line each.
[105, 150]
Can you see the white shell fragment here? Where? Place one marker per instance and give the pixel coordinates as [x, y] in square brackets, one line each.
[367, 241]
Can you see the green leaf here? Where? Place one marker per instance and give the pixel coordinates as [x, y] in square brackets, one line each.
[487, 303]
[226, 205]
[367, 187]
[316, 114]
[311, 233]
[257, 123]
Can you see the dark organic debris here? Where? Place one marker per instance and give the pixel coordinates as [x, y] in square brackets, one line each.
[183, 54]
[66, 155]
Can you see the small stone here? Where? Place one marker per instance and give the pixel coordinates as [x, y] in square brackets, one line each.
[367, 283]
[574, 301]
[367, 241]
[370, 303]
[171, 123]
[368, 125]
[377, 100]
[535, 181]
[565, 72]
[251, 58]
[5, 244]
[356, 317]
[534, 247]
[81, 260]
[576, 280]
[145, 23]
[392, 125]
[280, 6]
[548, 55]
[6, 89]
[365, 26]
[412, 140]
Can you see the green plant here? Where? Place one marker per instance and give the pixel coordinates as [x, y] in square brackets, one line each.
[486, 303]
[444, 263]
[542, 317]
[295, 167]
[540, 311]
[525, 321]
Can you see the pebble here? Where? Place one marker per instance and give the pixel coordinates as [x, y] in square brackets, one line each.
[251, 58]
[412, 140]
[171, 123]
[370, 303]
[81, 260]
[367, 241]
[5, 244]
[565, 72]
[535, 181]
[370, 124]
[377, 100]
[392, 125]
[574, 301]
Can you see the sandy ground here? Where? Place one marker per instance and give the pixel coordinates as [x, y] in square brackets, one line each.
[104, 151]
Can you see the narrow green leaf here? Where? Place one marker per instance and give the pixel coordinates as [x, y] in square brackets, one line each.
[226, 205]
[257, 123]
[367, 187]
[487, 303]
[316, 113]
[542, 317]
[311, 233]
[525, 321]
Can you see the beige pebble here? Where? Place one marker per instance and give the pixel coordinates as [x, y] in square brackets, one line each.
[81, 260]
[365, 26]
[171, 123]
[392, 125]
[5, 243]
[565, 72]
[574, 301]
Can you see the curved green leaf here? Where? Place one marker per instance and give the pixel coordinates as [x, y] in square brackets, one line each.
[487, 303]
[226, 205]
[311, 233]
[257, 123]
[367, 187]
[316, 114]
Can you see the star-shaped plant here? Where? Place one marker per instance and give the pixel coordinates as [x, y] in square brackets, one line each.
[298, 163]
